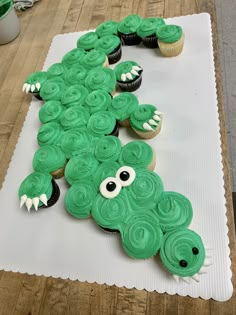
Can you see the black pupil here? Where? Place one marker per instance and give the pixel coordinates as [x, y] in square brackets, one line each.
[124, 175]
[111, 186]
[195, 250]
[183, 263]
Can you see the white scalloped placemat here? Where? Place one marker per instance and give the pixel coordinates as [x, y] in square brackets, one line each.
[52, 243]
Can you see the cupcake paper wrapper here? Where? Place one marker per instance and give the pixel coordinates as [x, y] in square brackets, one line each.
[115, 55]
[150, 41]
[55, 195]
[130, 86]
[171, 50]
[130, 39]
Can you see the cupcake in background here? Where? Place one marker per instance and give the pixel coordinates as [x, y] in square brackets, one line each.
[170, 40]
[127, 29]
[107, 28]
[147, 31]
[111, 46]
[128, 75]
[87, 41]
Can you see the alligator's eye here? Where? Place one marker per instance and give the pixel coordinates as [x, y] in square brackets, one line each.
[110, 187]
[183, 263]
[195, 250]
[125, 175]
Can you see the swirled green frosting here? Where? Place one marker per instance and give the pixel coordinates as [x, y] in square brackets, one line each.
[81, 167]
[107, 148]
[50, 111]
[79, 199]
[74, 117]
[169, 33]
[50, 133]
[101, 123]
[110, 213]
[123, 105]
[144, 191]
[98, 100]
[101, 79]
[107, 43]
[142, 237]
[76, 74]
[73, 56]
[57, 69]
[37, 77]
[49, 158]
[182, 252]
[93, 58]
[107, 28]
[137, 154]
[87, 41]
[173, 211]
[52, 89]
[129, 24]
[74, 95]
[142, 115]
[77, 140]
[149, 26]
[104, 170]
[125, 67]
[35, 185]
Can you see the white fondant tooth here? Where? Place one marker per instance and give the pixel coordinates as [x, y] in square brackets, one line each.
[157, 112]
[32, 88]
[207, 262]
[146, 126]
[136, 68]
[28, 203]
[134, 72]
[24, 87]
[129, 76]
[44, 199]
[152, 122]
[156, 117]
[23, 200]
[196, 277]
[38, 86]
[186, 279]
[176, 278]
[36, 203]
[28, 88]
[202, 270]
[123, 77]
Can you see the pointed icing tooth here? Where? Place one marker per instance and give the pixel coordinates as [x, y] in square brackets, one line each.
[152, 122]
[202, 270]
[36, 203]
[38, 86]
[156, 117]
[157, 112]
[146, 126]
[196, 277]
[207, 262]
[186, 279]
[32, 88]
[123, 77]
[29, 203]
[43, 198]
[23, 200]
[136, 68]
[129, 76]
[24, 87]
[176, 278]
[134, 72]
[27, 88]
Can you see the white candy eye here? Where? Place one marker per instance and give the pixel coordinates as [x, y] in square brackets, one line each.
[126, 175]
[110, 187]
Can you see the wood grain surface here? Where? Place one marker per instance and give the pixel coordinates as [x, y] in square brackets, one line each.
[30, 295]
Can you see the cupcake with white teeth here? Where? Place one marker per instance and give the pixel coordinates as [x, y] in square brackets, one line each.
[128, 75]
[34, 82]
[146, 121]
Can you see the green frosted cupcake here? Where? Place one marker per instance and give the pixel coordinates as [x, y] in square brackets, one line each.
[50, 133]
[107, 28]
[34, 83]
[146, 121]
[98, 100]
[127, 29]
[73, 57]
[57, 70]
[52, 89]
[87, 41]
[111, 46]
[170, 40]
[50, 159]
[38, 190]
[103, 123]
[74, 96]
[101, 79]
[122, 106]
[51, 111]
[74, 117]
[107, 149]
[76, 74]
[94, 58]
[128, 75]
[147, 31]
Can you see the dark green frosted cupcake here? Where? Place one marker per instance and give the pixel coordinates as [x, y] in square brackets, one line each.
[87, 41]
[103, 123]
[57, 70]
[101, 79]
[76, 74]
[107, 28]
[128, 75]
[74, 96]
[95, 58]
[98, 100]
[73, 56]
[147, 31]
[34, 83]
[127, 29]
[111, 46]
[74, 117]
[51, 111]
[50, 133]
[52, 89]
[170, 40]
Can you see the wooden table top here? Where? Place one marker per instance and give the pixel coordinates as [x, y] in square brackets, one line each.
[25, 294]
